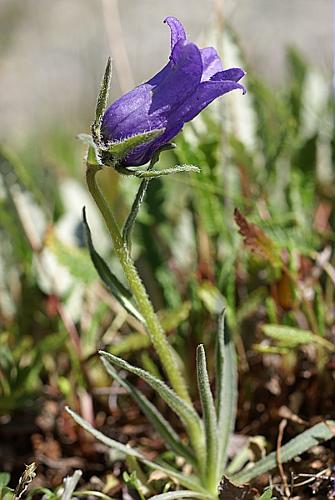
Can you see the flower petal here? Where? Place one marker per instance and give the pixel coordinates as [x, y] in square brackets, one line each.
[181, 80]
[234, 74]
[211, 63]
[204, 95]
[177, 34]
[177, 30]
[148, 106]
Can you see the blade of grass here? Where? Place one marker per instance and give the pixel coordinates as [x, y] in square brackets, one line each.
[298, 445]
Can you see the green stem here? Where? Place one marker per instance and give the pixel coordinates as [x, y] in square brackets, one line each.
[154, 329]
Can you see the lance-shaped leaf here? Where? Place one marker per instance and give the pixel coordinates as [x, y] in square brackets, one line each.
[189, 482]
[209, 418]
[185, 412]
[130, 222]
[102, 101]
[298, 445]
[121, 293]
[157, 420]
[292, 337]
[226, 376]
[116, 151]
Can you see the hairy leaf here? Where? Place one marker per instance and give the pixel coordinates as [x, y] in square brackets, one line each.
[161, 425]
[121, 293]
[226, 376]
[209, 416]
[189, 482]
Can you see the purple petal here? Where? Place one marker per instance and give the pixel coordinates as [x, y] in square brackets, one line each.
[177, 30]
[234, 74]
[190, 81]
[211, 63]
[119, 120]
[181, 80]
[204, 95]
[148, 106]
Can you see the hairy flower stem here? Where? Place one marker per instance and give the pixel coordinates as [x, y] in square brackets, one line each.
[154, 329]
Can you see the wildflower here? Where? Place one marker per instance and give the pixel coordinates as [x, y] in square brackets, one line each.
[189, 82]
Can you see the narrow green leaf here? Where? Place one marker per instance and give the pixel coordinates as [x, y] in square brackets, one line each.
[189, 482]
[157, 420]
[121, 293]
[102, 100]
[129, 224]
[115, 151]
[298, 445]
[131, 343]
[209, 416]
[239, 460]
[226, 373]
[174, 316]
[185, 412]
[290, 336]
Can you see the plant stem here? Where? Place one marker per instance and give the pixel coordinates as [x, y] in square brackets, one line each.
[154, 329]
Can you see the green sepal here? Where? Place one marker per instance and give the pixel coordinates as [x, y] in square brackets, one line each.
[102, 101]
[114, 152]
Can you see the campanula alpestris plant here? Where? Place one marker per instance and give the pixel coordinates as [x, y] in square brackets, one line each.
[132, 132]
[188, 83]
